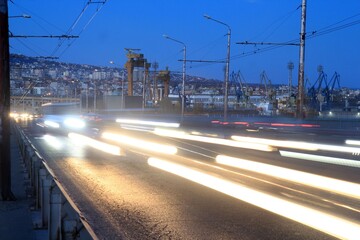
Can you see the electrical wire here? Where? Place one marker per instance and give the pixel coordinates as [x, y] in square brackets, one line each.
[334, 29]
[27, 47]
[210, 45]
[71, 28]
[334, 24]
[85, 26]
[322, 31]
[283, 18]
[25, 10]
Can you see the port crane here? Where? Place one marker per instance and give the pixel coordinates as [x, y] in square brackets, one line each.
[323, 91]
[239, 87]
[269, 92]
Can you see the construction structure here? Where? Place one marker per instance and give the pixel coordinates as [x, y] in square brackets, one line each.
[135, 60]
[164, 76]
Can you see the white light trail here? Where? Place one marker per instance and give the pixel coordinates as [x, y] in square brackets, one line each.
[219, 141]
[330, 184]
[108, 148]
[323, 159]
[353, 142]
[277, 143]
[52, 124]
[150, 123]
[298, 145]
[204, 134]
[149, 146]
[321, 221]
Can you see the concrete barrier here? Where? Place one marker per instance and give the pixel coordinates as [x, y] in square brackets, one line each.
[59, 214]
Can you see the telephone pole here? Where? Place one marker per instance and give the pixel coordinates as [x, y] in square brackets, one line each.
[155, 65]
[5, 161]
[300, 96]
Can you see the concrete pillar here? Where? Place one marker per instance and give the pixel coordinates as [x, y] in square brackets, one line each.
[45, 200]
[35, 165]
[54, 224]
[41, 177]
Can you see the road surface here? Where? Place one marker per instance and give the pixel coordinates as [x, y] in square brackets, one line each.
[193, 194]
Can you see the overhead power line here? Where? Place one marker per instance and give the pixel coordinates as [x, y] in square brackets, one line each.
[86, 25]
[295, 42]
[334, 29]
[43, 36]
[268, 43]
[72, 27]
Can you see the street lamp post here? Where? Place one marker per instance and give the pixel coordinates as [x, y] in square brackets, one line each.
[143, 90]
[183, 75]
[122, 90]
[87, 96]
[95, 91]
[227, 64]
[21, 16]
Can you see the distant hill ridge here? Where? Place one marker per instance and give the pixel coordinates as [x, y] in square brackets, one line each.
[44, 63]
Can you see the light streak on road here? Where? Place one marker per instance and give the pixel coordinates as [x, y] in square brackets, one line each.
[204, 134]
[325, 183]
[137, 143]
[277, 143]
[137, 128]
[149, 123]
[53, 142]
[323, 159]
[352, 142]
[105, 147]
[298, 145]
[332, 225]
[219, 141]
[51, 124]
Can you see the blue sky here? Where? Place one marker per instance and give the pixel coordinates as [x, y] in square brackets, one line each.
[142, 23]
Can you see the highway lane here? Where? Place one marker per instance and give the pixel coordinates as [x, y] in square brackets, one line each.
[124, 197]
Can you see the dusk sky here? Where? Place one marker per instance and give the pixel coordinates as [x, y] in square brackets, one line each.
[142, 23]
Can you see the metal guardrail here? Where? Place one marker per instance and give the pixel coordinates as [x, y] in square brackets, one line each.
[59, 214]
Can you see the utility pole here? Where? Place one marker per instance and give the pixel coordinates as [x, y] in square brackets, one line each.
[155, 65]
[143, 90]
[5, 160]
[290, 67]
[94, 77]
[300, 97]
[227, 74]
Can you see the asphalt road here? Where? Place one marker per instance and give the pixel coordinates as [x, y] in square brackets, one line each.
[151, 195]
